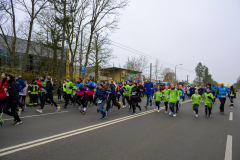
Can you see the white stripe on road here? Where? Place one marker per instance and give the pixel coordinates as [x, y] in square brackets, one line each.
[231, 116]
[228, 152]
[31, 144]
[36, 115]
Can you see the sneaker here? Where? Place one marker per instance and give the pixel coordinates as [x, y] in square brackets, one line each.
[120, 104]
[174, 115]
[102, 117]
[58, 108]
[205, 116]
[52, 106]
[123, 106]
[166, 112]
[77, 107]
[145, 107]
[24, 108]
[39, 110]
[170, 113]
[109, 111]
[83, 112]
[196, 115]
[17, 123]
[158, 110]
[133, 113]
[19, 112]
[1, 122]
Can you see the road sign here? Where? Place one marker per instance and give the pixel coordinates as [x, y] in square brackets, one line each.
[82, 69]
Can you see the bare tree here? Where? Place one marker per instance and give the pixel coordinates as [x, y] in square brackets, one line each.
[169, 75]
[157, 69]
[100, 52]
[136, 64]
[5, 6]
[104, 15]
[32, 11]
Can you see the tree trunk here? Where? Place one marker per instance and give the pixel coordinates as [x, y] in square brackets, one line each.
[12, 53]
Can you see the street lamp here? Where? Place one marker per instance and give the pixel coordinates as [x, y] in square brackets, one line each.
[176, 73]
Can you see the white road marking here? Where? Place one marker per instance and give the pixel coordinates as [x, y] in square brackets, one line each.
[231, 116]
[42, 141]
[36, 115]
[228, 152]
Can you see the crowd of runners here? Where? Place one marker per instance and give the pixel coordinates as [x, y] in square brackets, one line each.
[105, 95]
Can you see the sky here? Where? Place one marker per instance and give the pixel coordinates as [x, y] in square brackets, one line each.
[183, 32]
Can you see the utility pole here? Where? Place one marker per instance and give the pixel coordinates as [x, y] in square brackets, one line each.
[175, 75]
[187, 78]
[80, 56]
[113, 71]
[150, 71]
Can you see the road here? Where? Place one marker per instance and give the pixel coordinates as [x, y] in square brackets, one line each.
[147, 135]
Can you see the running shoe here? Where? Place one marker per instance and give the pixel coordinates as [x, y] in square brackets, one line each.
[133, 113]
[52, 106]
[17, 123]
[222, 113]
[170, 113]
[84, 112]
[19, 112]
[174, 115]
[39, 110]
[158, 110]
[58, 108]
[77, 106]
[120, 105]
[123, 106]
[145, 107]
[1, 122]
[196, 115]
[166, 112]
[109, 111]
[24, 108]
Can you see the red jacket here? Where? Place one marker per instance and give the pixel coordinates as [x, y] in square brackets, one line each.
[39, 84]
[2, 86]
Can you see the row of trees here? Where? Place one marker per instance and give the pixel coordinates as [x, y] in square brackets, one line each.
[80, 26]
[203, 75]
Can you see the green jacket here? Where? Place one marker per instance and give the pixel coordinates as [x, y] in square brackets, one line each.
[43, 84]
[69, 87]
[125, 90]
[208, 101]
[165, 93]
[173, 95]
[196, 99]
[158, 96]
[129, 90]
[73, 90]
[64, 88]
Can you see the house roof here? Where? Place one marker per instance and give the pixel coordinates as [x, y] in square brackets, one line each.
[116, 68]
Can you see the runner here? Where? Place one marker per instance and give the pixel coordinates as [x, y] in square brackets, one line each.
[165, 98]
[69, 87]
[148, 86]
[64, 89]
[158, 97]
[48, 95]
[89, 92]
[215, 94]
[101, 95]
[180, 93]
[118, 91]
[141, 89]
[25, 91]
[222, 91]
[173, 95]
[232, 95]
[125, 95]
[211, 91]
[33, 91]
[196, 102]
[39, 86]
[184, 92]
[21, 85]
[135, 91]
[112, 97]
[208, 103]
[188, 91]
[79, 99]
[129, 91]
[43, 92]
[12, 92]
[3, 96]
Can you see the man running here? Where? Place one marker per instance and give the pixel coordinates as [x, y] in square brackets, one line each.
[125, 95]
[148, 86]
[141, 89]
[222, 95]
[3, 96]
[173, 96]
[69, 88]
[20, 85]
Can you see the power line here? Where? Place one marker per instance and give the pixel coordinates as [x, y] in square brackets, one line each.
[146, 55]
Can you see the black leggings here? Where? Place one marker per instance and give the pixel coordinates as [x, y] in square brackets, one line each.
[222, 100]
[67, 98]
[208, 109]
[231, 100]
[195, 108]
[158, 104]
[177, 106]
[135, 104]
[113, 99]
[166, 105]
[13, 105]
[23, 99]
[50, 97]
[2, 103]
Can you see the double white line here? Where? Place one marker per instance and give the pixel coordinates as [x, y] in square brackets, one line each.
[35, 143]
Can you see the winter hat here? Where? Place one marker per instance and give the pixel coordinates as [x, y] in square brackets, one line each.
[103, 82]
[130, 81]
[135, 83]
[221, 83]
[11, 76]
[48, 78]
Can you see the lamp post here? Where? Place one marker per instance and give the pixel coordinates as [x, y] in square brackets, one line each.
[176, 73]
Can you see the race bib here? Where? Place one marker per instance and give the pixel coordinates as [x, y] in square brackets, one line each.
[43, 89]
[87, 89]
[99, 101]
[141, 90]
[118, 92]
[160, 96]
[20, 93]
[223, 95]
[7, 94]
[133, 93]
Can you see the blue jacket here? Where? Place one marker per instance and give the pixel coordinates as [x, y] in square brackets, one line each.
[101, 94]
[111, 90]
[97, 88]
[91, 85]
[148, 87]
[214, 87]
[222, 92]
[20, 84]
[80, 85]
[182, 92]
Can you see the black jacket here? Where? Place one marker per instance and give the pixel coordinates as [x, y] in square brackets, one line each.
[12, 90]
[49, 87]
[140, 87]
[136, 89]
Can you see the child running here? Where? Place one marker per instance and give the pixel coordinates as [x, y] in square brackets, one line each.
[196, 101]
[165, 98]
[101, 95]
[208, 102]
[158, 97]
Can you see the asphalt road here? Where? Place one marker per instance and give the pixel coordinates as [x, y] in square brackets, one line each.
[148, 135]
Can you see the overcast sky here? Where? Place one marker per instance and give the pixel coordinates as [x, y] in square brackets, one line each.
[183, 32]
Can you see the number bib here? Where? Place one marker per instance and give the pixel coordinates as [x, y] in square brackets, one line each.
[20, 93]
[133, 93]
[7, 94]
[160, 96]
[223, 95]
[99, 101]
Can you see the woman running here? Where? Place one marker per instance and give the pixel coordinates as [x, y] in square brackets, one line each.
[196, 102]
[158, 97]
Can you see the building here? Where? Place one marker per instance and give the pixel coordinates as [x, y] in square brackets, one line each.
[119, 74]
[40, 57]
